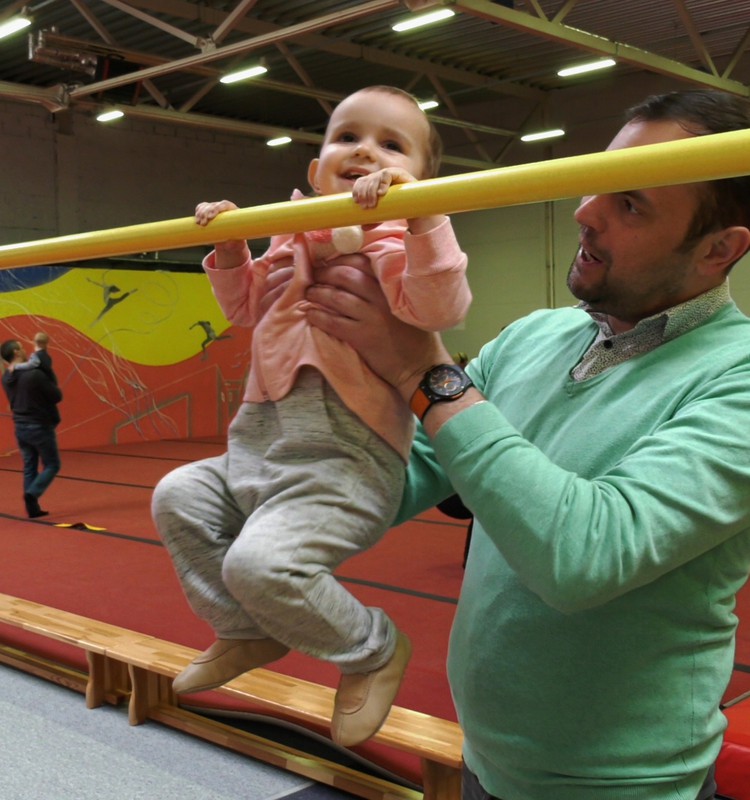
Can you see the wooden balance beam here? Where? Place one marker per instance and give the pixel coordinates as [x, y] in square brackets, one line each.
[126, 664]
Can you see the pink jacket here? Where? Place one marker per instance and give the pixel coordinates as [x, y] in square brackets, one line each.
[424, 280]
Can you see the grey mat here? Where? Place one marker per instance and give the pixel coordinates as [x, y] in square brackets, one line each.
[53, 748]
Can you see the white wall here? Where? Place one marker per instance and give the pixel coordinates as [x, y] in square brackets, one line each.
[66, 173]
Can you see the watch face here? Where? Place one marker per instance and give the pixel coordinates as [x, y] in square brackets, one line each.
[447, 380]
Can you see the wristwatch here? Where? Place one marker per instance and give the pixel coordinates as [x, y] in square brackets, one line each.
[443, 382]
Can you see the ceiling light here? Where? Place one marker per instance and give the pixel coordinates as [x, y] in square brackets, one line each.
[13, 25]
[423, 19]
[536, 137]
[591, 66]
[426, 105]
[279, 140]
[244, 74]
[109, 115]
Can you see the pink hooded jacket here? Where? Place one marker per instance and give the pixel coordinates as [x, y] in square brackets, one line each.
[424, 280]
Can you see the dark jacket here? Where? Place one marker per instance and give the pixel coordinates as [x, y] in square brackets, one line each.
[33, 396]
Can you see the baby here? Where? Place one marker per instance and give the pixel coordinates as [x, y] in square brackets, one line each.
[314, 470]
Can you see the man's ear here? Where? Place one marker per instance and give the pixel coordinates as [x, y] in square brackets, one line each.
[726, 247]
[312, 172]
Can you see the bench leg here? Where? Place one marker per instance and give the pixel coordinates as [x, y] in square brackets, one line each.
[96, 684]
[147, 690]
[440, 782]
[108, 680]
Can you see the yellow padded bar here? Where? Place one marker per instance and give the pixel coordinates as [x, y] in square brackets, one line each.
[701, 158]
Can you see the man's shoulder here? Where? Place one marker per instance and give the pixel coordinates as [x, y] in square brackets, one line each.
[546, 322]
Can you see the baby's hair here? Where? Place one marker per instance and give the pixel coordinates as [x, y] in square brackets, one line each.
[41, 338]
[435, 144]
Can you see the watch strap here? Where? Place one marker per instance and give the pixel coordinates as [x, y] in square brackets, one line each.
[420, 403]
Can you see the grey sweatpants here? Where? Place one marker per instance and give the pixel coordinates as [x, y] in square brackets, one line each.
[256, 533]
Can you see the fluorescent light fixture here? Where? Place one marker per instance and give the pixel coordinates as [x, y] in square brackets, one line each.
[591, 66]
[279, 140]
[536, 137]
[423, 19]
[14, 25]
[244, 74]
[108, 116]
[426, 105]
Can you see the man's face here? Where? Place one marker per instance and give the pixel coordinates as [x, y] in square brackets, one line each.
[19, 354]
[629, 263]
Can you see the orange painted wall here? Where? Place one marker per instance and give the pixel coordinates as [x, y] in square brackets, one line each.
[139, 354]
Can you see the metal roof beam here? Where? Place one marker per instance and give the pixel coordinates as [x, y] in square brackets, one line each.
[598, 44]
[319, 23]
[348, 49]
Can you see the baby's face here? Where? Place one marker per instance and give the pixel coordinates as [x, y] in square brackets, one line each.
[368, 131]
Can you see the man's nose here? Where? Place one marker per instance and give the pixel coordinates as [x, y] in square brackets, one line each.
[590, 212]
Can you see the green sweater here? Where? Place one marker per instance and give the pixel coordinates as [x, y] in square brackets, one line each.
[594, 636]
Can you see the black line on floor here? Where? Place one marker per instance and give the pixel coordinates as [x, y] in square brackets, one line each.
[60, 477]
[158, 543]
[398, 590]
[62, 527]
[128, 455]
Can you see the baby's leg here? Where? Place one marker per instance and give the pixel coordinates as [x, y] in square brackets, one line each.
[197, 519]
[331, 490]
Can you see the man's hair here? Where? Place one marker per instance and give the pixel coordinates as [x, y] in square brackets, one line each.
[8, 349]
[701, 112]
[434, 142]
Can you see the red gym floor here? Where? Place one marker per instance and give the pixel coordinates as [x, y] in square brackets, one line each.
[109, 564]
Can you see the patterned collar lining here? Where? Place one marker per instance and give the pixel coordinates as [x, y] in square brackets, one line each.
[679, 319]
[609, 349]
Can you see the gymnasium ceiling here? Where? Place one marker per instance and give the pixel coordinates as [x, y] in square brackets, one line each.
[492, 66]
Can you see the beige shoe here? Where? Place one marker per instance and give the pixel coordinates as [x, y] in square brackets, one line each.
[224, 660]
[363, 700]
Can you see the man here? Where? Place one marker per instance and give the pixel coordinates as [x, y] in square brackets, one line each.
[33, 397]
[605, 453]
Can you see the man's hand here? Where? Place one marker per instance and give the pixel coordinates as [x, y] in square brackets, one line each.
[350, 305]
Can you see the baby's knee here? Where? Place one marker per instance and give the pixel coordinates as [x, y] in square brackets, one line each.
[254, 574]
[171, 492]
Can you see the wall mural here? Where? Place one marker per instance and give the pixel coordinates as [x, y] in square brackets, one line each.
[139, 354]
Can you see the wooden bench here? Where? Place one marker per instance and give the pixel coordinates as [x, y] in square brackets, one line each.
[126, 664]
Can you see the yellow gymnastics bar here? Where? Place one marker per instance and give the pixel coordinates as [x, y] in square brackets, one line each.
[700, 158]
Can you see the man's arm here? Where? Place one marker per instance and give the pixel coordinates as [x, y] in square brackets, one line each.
[577, 540]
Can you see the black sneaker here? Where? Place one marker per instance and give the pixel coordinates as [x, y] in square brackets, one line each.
[33, 509]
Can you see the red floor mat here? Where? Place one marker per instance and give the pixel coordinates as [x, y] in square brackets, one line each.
[122, 574]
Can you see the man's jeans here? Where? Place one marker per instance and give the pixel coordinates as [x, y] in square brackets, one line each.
[37, 443]
[471, 789]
